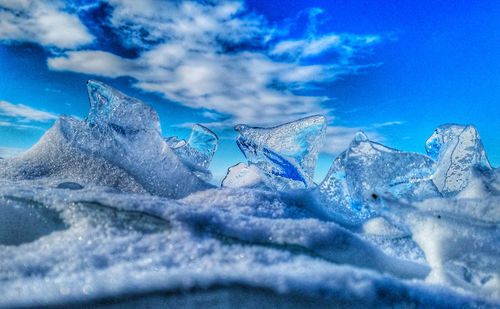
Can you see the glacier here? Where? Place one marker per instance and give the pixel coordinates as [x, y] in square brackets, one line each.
[106, 212]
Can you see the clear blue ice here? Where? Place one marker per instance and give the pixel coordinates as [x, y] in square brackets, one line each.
[287, 154]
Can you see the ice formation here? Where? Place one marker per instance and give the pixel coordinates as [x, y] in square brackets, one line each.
[458, 150]
[287, 154]
[119, 144]
[458, 237]
[107, 211]
[198, 151]
[244, 176]
[365, 171]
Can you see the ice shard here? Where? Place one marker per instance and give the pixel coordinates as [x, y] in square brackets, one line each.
[287, 153]
[368, 169]
[111, 109]
[119, 144]
[458, 150]
[174, 142]
[198, 151]
[244, 176]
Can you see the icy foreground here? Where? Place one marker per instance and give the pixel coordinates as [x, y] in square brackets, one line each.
[107, 211]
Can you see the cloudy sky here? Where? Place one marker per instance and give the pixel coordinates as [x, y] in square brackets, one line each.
[395, 69]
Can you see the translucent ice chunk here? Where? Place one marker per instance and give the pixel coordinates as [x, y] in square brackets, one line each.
[242, 175]
[365, 171]
[173, 142]
[458, 150]
[109, 108]
[287, 153]
[198, 151]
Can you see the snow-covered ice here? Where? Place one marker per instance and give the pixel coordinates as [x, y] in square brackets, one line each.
[106, 212]
[365, 171]
[244, 176]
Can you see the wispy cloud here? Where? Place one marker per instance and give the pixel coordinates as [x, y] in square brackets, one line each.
[223, 58]
[8, 152]
[25, 113]
[42, 22]
[387, 124]
[344, 45]
[18, 125]
[97, 63]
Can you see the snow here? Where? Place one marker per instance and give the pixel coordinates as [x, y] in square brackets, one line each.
[106, 211]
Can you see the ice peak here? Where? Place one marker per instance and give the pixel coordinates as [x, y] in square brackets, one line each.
[458, 150]
[240, 127]
[110, 108]
[360, 137]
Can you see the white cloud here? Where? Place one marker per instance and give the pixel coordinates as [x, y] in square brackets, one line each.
[193, 23]
[42, 22]
[219, 57]
[17, 125]
[338, 138]
[94, 62]
[24, 112]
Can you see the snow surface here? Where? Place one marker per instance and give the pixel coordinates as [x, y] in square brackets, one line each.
[116, 243]
[106, 212]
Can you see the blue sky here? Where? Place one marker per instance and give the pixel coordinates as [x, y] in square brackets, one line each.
[395, 69]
